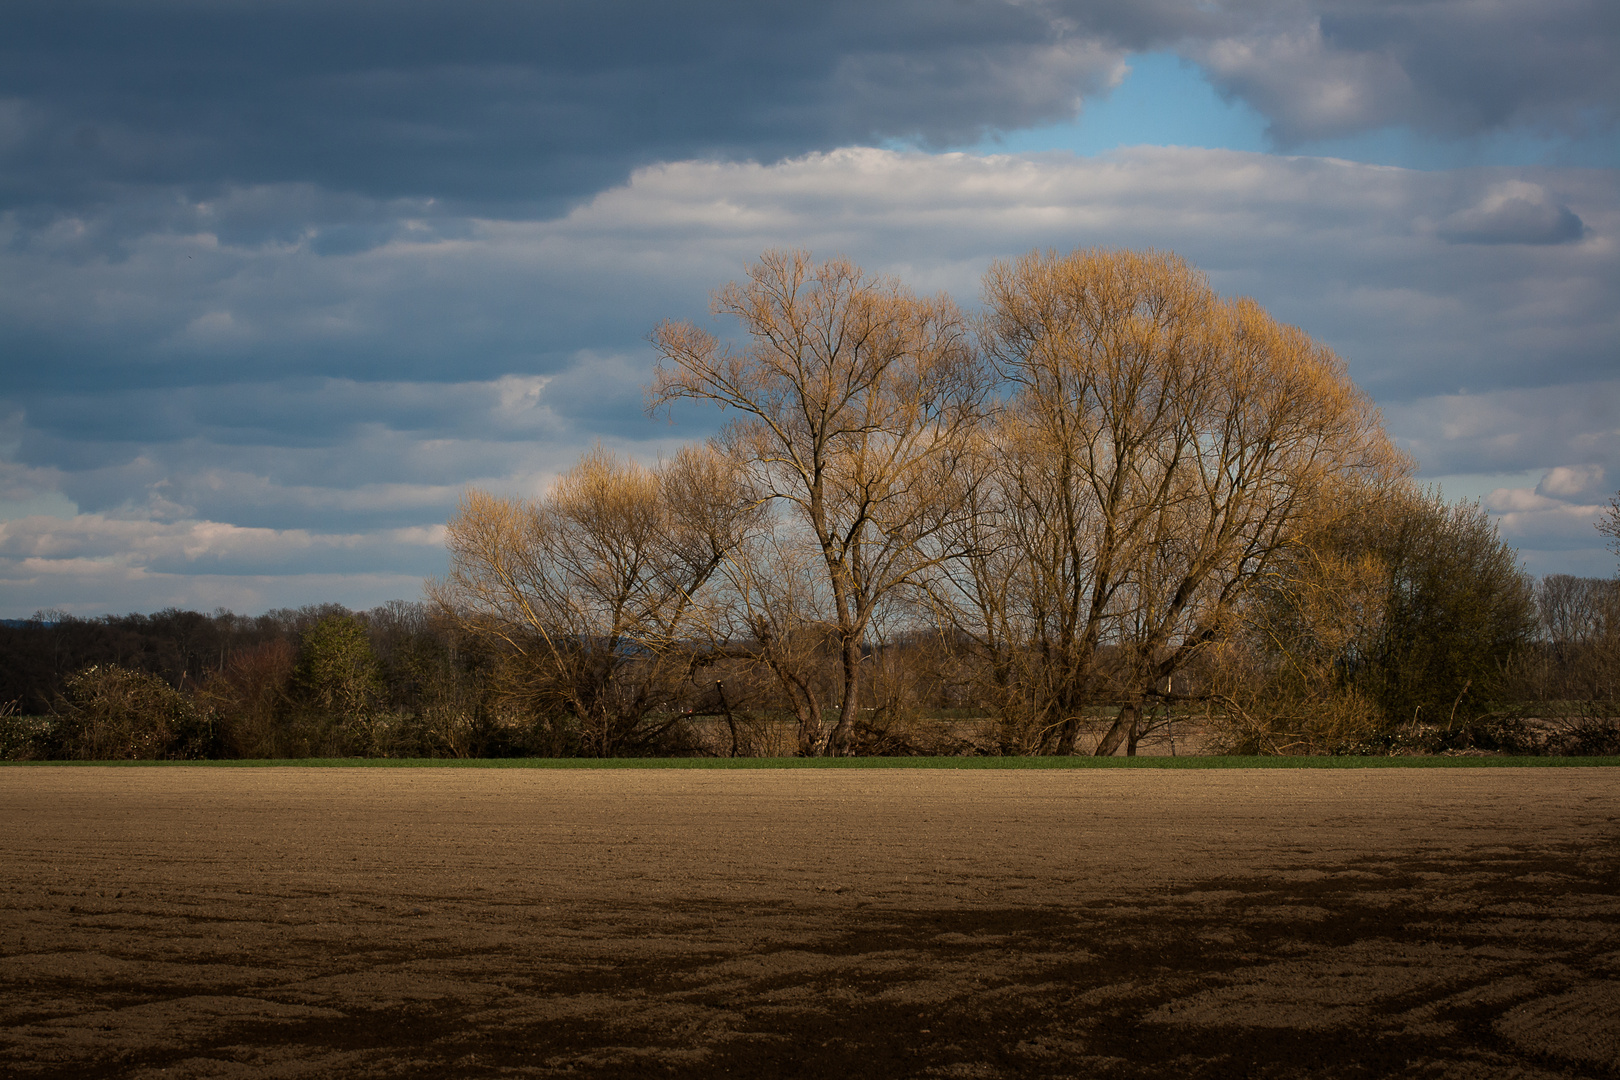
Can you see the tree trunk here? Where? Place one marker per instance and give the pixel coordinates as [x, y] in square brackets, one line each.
[810, 740]
[1125, 728]
[1070, 705]
[812, 736]
[845, 731]
[1068, 734]
[725, 707]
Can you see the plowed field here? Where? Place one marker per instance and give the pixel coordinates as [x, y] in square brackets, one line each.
[214, 922]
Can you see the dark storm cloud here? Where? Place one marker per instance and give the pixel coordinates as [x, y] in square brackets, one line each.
[503, 106]
[496, 102]
[1476, 66]
[1324, 68]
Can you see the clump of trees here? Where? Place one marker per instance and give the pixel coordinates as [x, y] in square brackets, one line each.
[1112, 502]
[1112, 499]
[1398, 624]
[1571, 671]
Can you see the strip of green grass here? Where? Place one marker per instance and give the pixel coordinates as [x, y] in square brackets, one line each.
[882, 763]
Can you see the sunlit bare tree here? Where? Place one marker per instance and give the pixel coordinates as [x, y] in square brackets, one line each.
[593, 591]
[853, 397]
[1162, 447]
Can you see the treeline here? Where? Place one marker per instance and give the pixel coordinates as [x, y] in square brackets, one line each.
[319, 681]
[1111, 503]
[404, 681]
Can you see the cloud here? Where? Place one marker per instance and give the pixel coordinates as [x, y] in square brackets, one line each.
[19, 483]
[1454, 68]
[301, 411]
[92, 563]
[1360, 255]
[89, 588]
[495, 107]
[1508, 431]
[1515, 212]
[1308, 89]
[1543, 525]
[215, 546]
[360, 389]
[1572, 481]
[277, 279]
[486, 102]
[1551, 521]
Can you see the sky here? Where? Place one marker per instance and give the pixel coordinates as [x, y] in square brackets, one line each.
[279, 280]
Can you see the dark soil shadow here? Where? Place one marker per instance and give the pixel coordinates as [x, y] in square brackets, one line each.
[1502, 964]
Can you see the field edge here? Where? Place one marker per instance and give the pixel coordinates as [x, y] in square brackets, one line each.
[1073, 762]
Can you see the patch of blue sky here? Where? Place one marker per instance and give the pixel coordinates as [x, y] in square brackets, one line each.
[50, 504]
[1166, 101]
[1163, 101]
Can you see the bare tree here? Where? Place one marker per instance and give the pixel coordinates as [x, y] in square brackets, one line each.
[854, 397]
[1162, 447]
[776, 615]
[1578, 610]
[1609, 524]
[1579, 651]
[592, 590]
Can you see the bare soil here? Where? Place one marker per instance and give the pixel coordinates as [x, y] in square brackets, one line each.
[215, 922]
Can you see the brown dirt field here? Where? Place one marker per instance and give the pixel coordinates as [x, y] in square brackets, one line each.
[214, 922]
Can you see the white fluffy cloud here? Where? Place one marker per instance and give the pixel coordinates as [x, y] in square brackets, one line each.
[1553, 534]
